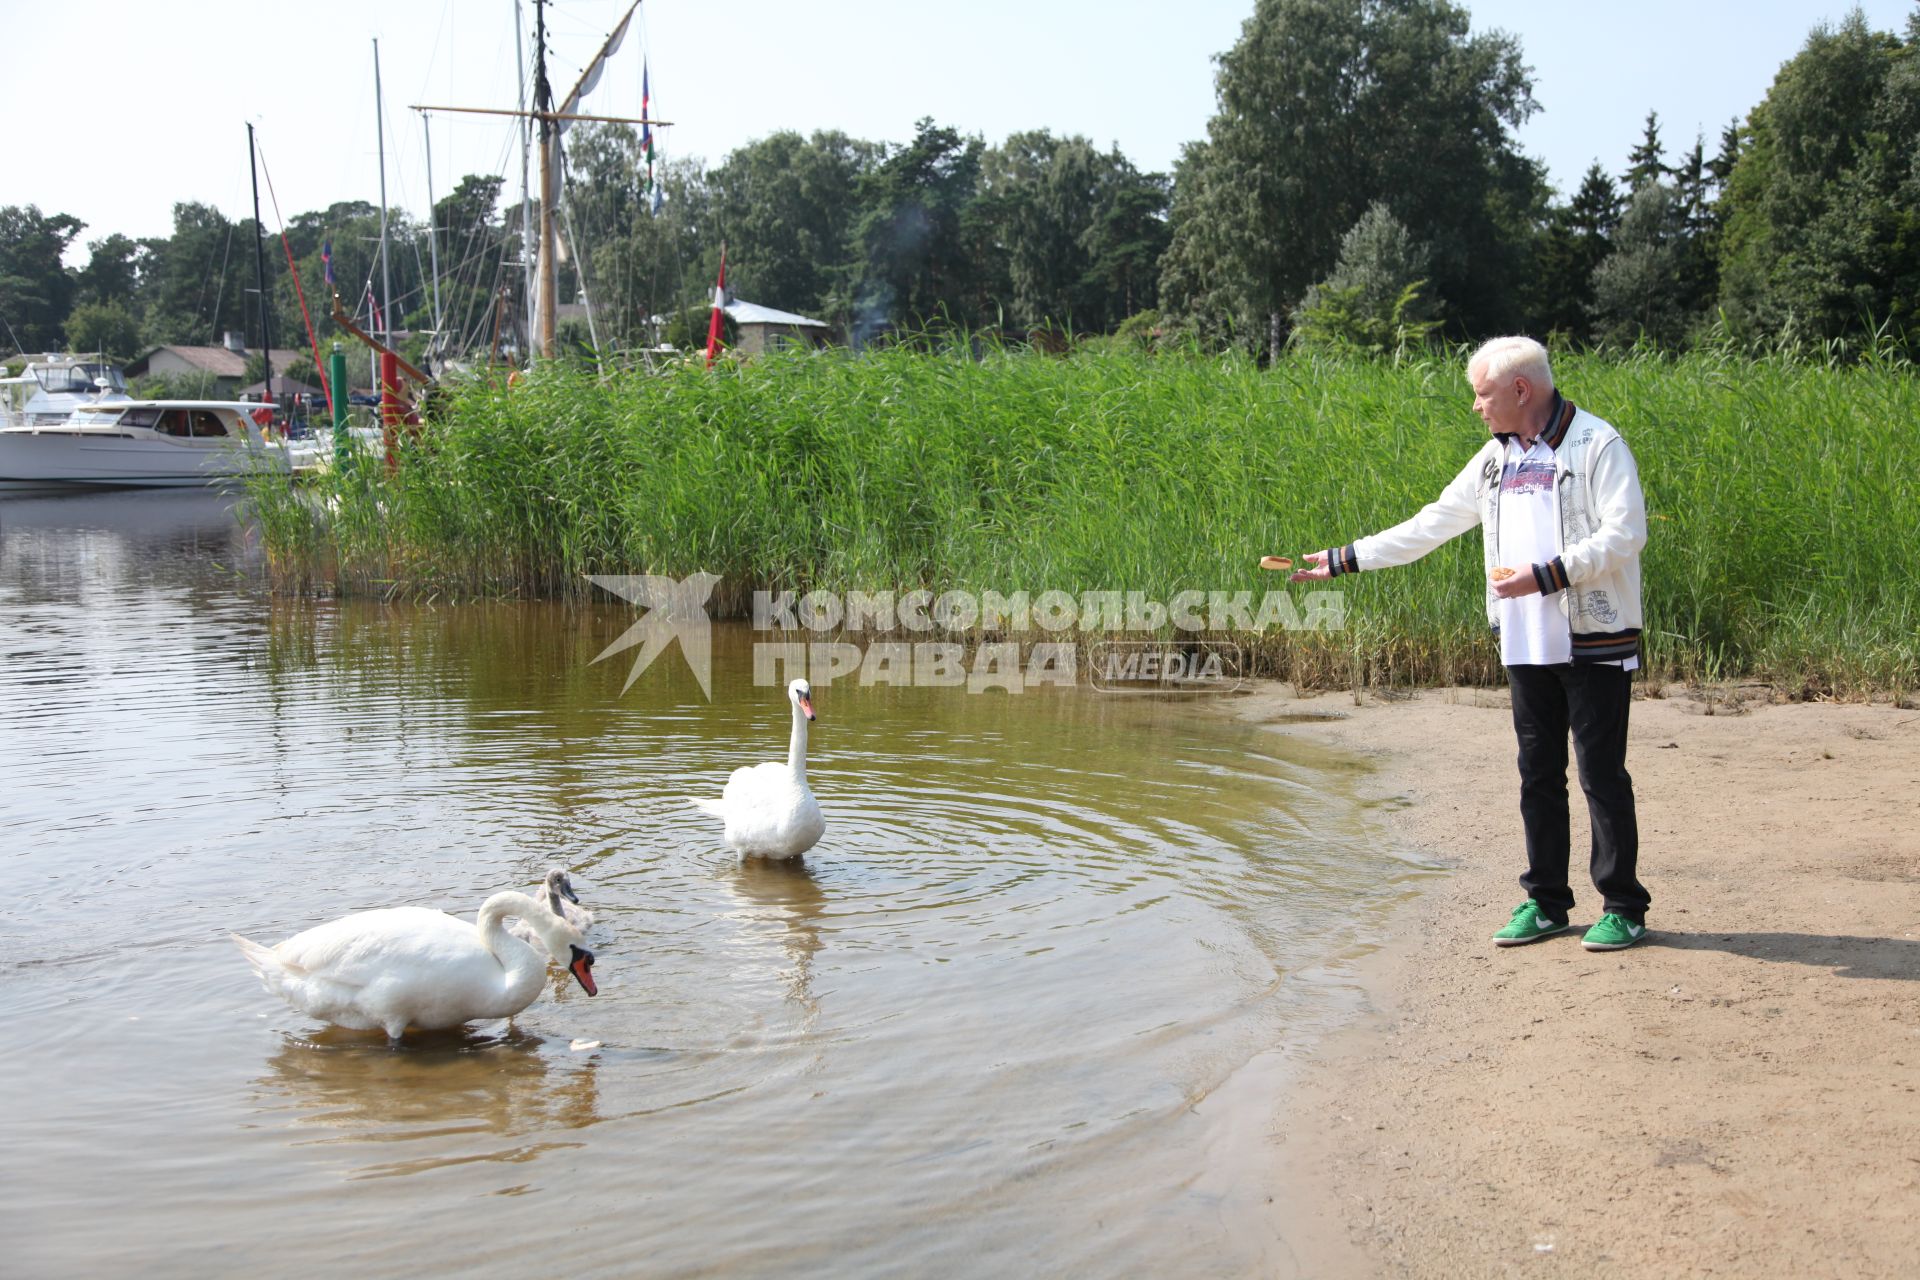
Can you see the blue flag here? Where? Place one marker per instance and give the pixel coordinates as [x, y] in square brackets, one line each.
[326, 258]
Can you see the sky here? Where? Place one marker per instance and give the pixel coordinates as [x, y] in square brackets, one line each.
[145, 106]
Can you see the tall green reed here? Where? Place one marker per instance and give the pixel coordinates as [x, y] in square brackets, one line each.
[1782, 495]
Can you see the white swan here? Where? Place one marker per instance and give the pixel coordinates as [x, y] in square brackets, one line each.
[769, 810]
[556, 895]
[411, 967]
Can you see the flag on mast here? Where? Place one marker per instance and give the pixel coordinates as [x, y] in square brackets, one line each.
[646, 138]
[646, 122]
[326, 258]
[719, 301]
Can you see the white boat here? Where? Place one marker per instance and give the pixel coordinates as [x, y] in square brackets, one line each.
[53, 386]
[140, 443]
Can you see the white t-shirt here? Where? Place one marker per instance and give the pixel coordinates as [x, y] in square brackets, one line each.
[1533, 631]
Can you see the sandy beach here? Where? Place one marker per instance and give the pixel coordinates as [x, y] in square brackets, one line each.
[1735, 1096]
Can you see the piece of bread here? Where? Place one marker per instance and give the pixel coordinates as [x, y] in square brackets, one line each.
[1275, 562]
[1502, 573]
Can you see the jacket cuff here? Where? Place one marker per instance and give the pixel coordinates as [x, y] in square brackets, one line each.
[1551, 576]
[1342, 560]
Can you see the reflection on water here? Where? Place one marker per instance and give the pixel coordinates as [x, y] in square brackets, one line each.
[965, 1036]
[449, 1098]
[784, 900]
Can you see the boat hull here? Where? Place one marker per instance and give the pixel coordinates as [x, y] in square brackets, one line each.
[55, 459]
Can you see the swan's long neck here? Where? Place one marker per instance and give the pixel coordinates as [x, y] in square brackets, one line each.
[797, 747]
[512, 953]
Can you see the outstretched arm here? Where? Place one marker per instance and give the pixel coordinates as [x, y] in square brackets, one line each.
[1455, 511]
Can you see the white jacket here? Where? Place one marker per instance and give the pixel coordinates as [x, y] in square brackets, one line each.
[1603, 525]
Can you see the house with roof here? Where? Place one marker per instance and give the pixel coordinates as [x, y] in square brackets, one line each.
[224, 367]
[763, 329]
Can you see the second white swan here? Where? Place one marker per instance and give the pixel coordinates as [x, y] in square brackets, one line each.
[769, 809]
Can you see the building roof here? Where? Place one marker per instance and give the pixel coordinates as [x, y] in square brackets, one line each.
[218, 361]
[753, 313]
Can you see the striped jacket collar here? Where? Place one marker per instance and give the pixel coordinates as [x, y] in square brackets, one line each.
[1558, 420]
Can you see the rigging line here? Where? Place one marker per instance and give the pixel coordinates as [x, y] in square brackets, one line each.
[200, 303]
[299, 292]
[479, 241]
[221, 291]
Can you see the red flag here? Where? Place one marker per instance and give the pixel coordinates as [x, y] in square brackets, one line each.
[719, 301]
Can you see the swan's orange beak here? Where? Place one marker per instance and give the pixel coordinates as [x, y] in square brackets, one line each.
[582, 969]
[806, 705]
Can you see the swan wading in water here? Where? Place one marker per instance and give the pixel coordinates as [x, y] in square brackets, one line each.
[413, 967]
[769, 810]
[556, 895]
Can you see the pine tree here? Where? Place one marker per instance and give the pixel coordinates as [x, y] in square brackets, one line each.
[1577, 240]
[1644, 162]
[1721, 165]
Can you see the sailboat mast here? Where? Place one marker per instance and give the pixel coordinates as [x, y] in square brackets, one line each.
[380, 132]
[543, 107]
[526, 149]
[433, 239]
[260, 268]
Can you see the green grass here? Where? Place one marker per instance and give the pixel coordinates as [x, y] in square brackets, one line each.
[1782, 496]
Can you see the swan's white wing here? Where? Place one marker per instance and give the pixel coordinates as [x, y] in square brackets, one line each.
[374, 969]
[756, 784]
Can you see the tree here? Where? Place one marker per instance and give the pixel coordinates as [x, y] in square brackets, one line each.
[1326, 106]
[1720, 168]
[1637, 293]
[1078, 231]
[36, 291]
[914, 261]
[787, 207]
[112, 273]
[665, 264]
[107, 327]
[1822, 207]
[1127, 239]
[1644, 162]
[195, 290]
[1578, 238]
[471, 242]
[1372, 302]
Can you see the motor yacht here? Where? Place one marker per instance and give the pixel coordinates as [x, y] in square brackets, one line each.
[141, 443]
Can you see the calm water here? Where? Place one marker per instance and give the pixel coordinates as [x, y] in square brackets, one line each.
[999, 1022]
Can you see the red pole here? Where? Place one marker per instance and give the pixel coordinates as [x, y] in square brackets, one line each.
[392, 409]
[719, 301]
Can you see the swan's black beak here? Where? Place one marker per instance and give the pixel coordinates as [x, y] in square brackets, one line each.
[806, 706]
[566, 891]
[582, 970]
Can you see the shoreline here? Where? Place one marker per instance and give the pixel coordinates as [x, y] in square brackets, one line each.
[1733, 1096]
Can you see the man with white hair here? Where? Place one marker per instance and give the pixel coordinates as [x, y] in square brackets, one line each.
[1557, 497]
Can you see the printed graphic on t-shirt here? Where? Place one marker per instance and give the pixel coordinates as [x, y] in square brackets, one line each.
[1532, 475]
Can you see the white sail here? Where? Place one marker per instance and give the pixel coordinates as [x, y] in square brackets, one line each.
[591, 76]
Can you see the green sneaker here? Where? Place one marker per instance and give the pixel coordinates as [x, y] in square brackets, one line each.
[1613, 933]
[1528, 924]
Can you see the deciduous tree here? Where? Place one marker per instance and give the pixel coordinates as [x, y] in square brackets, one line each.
[1328, 105]
[36, 290]
[1822, 206]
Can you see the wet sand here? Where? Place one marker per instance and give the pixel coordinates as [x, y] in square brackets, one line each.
[1735, 1096]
